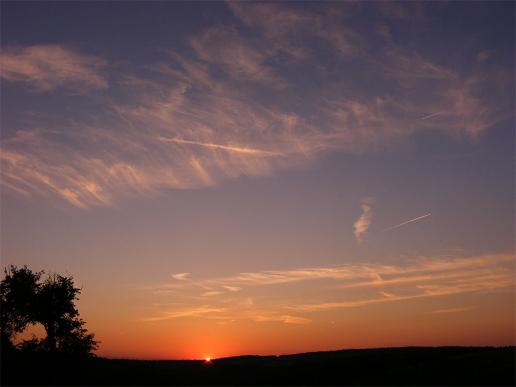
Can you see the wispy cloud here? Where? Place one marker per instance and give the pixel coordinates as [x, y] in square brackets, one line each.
[227, 104]
[287, 319]
[421, 278]
[225, 315]
[237, 56]
[232, 288]
[428, 292]
[425, 277]
[453, 310]
[436, 287]
[204, 311]
[363, 223]
[282, 23]
[427, 117]
[48, 67]
[181, 276]
[236, 149]
[211, 293]
[406, 66]
[407, 222]
[427, 268]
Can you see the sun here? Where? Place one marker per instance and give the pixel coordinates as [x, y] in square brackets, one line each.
[207, 360]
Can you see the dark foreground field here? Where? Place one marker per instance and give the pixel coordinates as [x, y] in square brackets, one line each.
[444, 366]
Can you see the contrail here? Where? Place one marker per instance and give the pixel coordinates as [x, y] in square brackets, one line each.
[228, 148]
[430, 115]
[408, 221]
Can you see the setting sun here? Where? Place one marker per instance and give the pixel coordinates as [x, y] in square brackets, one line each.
[208, 360]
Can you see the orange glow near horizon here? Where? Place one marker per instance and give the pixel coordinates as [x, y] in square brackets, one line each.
[431, 302]
[435, 302]
[427, 322]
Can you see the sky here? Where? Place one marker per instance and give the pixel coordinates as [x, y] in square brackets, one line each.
[229, 178]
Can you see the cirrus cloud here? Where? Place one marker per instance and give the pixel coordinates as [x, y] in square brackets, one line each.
[359, 285]
[233, 102]
[45, 68]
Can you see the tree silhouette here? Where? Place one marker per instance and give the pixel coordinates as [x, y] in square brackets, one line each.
[55, 308]
[25, 299]
[17, 296]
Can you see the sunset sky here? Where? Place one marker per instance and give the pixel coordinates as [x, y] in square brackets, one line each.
[264, 178]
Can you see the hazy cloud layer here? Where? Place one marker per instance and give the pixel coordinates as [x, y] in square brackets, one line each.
[251, 98]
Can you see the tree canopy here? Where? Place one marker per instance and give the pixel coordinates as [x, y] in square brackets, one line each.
[27, 298]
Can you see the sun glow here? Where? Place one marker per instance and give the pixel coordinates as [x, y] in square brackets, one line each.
[207, 360]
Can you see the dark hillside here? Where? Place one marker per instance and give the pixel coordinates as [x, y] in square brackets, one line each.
[415, 366]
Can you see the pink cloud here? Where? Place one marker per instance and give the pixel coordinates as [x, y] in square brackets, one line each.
[48, 67]
[240, 58]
